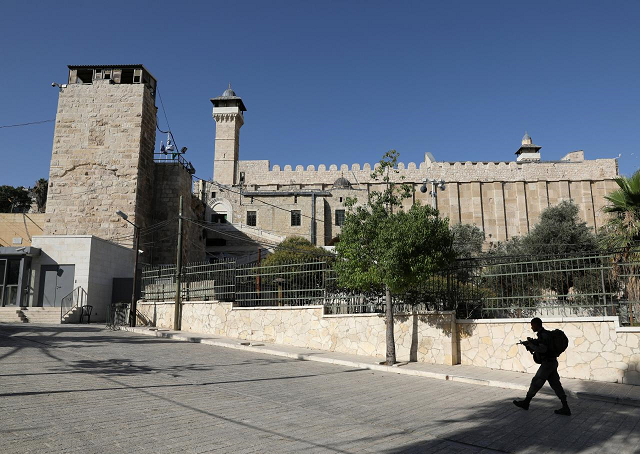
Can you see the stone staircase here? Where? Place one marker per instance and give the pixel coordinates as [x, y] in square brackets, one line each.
[10, 314]
[48, 315]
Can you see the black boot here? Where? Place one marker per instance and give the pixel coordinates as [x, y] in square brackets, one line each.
[524, 404]
[565, 408]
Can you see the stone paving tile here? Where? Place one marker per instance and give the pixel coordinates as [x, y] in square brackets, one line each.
[129, 393]
[622, 393]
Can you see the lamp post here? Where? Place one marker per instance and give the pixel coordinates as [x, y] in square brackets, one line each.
[434, 189]
[136, 230]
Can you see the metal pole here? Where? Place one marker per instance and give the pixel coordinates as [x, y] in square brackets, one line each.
[258, 280]
[133, 311]
[313, 218]
[176, 312]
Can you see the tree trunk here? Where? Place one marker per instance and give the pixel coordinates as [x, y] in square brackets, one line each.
[391, 343]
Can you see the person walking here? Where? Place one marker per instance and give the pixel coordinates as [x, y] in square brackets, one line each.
[543, 354]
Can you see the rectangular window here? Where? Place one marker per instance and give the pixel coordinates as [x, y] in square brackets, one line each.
[295, 217]
[252, 218]
[213, 195]
[85, 76]
[339, 217]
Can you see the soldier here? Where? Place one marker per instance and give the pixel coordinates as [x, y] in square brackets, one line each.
[542, 349]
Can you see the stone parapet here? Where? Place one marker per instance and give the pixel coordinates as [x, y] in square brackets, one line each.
[261, 173]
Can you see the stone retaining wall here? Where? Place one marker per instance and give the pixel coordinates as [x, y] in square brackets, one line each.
[427, 338]
[599, 349]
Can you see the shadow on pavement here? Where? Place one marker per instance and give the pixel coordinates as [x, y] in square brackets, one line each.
[494, 429]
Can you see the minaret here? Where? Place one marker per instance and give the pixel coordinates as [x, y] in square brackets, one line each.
[228, 114]
[528, 151]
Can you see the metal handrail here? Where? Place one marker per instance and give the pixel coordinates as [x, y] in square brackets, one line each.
[77, 297]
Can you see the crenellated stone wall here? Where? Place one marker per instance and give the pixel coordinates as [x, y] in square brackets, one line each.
[426, 337]
[260, 172]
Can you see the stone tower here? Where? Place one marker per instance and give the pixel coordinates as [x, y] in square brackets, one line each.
[228, 114]
[528, 151]
[102, 158]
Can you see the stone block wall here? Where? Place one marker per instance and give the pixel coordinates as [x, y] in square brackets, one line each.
[172, 180]
[102, 160]
[427, 337]
[599, 349]
[17, 229]
[260, 172]
[501, 209]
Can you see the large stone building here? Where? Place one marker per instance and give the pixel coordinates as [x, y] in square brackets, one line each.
[253, 204]
[103, 161]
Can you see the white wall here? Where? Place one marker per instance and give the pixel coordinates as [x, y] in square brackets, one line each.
[96, 261]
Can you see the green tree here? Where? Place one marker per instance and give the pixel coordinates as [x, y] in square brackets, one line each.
[528, 268]
[39, 193]
[14, 199]
[395, 252]
[560, 231]
[467, 240]
[622, 233]
[296, 270]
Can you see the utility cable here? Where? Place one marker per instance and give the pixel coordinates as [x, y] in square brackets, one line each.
[27, 124]
[226, 188]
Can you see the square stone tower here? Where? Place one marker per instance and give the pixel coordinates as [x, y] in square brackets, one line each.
[102, 158]
[228, 113]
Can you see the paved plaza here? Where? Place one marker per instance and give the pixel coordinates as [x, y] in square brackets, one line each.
[85, 389]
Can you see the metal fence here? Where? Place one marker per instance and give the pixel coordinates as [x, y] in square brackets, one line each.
[291, 284]
[490, 287]
[200, 281]
[508, 287]
[503, 287]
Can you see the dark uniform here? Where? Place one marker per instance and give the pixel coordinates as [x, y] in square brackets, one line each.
[548, 370]
[542, 349]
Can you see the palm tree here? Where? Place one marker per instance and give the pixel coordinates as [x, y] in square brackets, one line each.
[622, 233]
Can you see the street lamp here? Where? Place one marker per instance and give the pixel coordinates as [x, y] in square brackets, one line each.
[136, 230]
[434, 189]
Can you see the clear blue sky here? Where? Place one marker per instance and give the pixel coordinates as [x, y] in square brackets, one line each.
[342, 82]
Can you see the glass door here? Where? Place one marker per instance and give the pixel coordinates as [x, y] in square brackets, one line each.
[11, 286]
[3, 266]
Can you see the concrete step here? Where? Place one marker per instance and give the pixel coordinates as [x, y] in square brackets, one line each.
[49, 315]
[10, 314]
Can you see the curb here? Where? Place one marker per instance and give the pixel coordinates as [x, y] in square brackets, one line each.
[258, 347]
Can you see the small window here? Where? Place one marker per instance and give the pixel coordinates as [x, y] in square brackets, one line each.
[251, 218]
[241, 178]
[213, 195]
[339, 217]
[85, 76]
[137, 76]
[216, 242]
[340, 199]
[295, 217]
[127, 76]
[295, 199]
[107, 74]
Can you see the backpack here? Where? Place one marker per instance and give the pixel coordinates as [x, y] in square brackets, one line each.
[559, 342]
